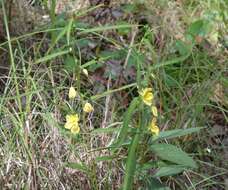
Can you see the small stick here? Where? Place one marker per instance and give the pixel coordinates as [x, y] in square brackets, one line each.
[135, 30]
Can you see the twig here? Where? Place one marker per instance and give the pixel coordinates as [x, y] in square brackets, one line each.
[135, 30]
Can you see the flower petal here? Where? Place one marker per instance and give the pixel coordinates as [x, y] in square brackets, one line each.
[75, 129]
[68, 125]
[72, 118]
[155, 130]
[72, 93]
[85, 71]
[88, 108]
[147, 96]
[154, 111]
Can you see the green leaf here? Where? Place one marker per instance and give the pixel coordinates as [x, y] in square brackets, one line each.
[148, 165]
[115, 54]
[151, 164]
[155, 184]
[182, 47]
[105, 28]
[171, 61]
[52, 56]
[135, 57]
[169, 171]
[177, 133]
[70, 64]
[127, 119]
[131, 164]
[199, 28]
[123, 31]
[77, 166]
[83, 42]
[68, 33]
[173, 154]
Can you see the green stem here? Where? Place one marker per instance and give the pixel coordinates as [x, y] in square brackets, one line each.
[11, 56]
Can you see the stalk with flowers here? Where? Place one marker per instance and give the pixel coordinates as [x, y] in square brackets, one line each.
[146, 136]
[144, 108]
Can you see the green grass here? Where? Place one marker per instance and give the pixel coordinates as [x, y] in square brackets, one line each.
[114, 148]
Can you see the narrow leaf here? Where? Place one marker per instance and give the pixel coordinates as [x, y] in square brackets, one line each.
[105, 130]
[69, 27]
[171, 62]
[177, 133]
[127, 119]
[104, 158]
[77, 166]
[52, 56]
[131, 164]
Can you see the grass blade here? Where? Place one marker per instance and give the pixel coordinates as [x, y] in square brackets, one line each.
[127, 119]
[177, 133]
[52, 56]
[131, 164]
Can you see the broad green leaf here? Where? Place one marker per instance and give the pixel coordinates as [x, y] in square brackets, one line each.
[70, 64]
[199, 28]
[169, 171]
[148, 165]
[173, 154]
[155, 184]
[151, 164]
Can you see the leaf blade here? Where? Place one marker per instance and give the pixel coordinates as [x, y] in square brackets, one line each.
[173, 154]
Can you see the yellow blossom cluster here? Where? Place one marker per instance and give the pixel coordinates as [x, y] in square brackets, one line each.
[72, 120]
[72, 123]
[148, 97]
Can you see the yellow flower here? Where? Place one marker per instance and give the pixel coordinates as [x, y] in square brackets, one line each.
[72, 123]
[88, 107]
[85, 71]
[153, 127]
[155, 130]
[154, 111]
[147, 96]
[75, 129]
[72, 93]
